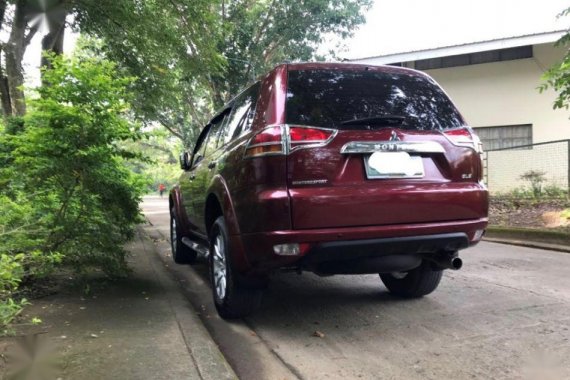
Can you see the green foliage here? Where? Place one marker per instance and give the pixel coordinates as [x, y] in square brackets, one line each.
[160, 165]
[261, 34]
[67, 194]
[553, 191]
[170, 46]
[565, 214]
[549, 192]
[558, 76]
[191, 56]
[536, 180]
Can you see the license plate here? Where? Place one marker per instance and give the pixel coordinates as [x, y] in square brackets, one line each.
[393, 165]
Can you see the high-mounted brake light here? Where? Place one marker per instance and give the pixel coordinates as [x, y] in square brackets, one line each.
[283, 139]
[464, 137]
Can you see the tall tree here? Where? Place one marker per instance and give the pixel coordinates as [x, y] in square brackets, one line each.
[260, 34]
[189, 56]
[249, 37]
[169, 45]
[152, 38]
[21, 33]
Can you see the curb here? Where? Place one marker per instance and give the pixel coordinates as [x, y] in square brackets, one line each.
[529, 244]
[267, 364]
[209, 360]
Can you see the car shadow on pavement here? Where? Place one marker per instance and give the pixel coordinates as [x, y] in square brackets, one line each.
[289, 295]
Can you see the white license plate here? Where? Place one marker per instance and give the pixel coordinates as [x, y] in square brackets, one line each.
[393, 165]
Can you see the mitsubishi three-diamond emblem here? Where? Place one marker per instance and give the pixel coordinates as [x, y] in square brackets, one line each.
[394, 136]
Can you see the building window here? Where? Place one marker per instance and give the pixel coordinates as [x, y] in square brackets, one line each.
[505, 137]
[499, 55]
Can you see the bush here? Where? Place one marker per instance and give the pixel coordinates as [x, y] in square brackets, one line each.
[553, 191]
[536, 180]
[67, 195]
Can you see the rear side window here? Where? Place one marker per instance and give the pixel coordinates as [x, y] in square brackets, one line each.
[326, 98]
[242, 113]
[217, 125]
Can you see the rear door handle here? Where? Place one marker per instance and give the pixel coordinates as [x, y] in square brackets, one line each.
[212, 165]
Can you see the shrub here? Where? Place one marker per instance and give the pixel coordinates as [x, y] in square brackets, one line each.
[67, 195]
[553, 191]
[536, 179]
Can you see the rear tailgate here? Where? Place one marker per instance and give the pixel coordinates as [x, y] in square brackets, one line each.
[409, 158]
[328, 188]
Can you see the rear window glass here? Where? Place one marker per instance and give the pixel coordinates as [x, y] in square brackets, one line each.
[326, 98]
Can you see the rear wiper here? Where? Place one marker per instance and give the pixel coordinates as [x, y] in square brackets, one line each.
[382, 119]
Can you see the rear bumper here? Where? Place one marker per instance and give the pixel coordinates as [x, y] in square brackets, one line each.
[380, 255]
[341, 244]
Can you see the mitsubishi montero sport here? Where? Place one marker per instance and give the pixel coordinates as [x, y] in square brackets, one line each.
[331, 168]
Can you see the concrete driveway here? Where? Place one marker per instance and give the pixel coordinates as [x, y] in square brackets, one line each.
[506, 314]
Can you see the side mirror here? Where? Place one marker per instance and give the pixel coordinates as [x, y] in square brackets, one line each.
[185, 160]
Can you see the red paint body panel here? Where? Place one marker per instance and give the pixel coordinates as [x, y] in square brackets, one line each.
[350, 199]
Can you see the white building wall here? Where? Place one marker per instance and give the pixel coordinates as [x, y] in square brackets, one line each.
[505, 93]
[505, 167]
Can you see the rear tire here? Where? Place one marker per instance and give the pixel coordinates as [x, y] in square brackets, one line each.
[415, 283]
[181, 253]
[232, 297]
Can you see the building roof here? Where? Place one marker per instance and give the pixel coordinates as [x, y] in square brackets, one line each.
[473, 47]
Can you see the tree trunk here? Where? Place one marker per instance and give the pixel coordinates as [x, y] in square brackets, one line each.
[4, 92]
[14, 53]
[53, 41]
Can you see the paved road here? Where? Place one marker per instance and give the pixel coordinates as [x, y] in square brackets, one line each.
[505, 315]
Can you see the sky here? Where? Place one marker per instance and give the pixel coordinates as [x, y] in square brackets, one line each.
[32, 57]
[396, 26]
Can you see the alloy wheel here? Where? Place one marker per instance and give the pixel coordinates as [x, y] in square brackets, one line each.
[219, 267]
[173, 236]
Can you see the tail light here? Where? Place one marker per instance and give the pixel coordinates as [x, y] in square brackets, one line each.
[464, 137]
[467, 138]
[284, 139]
[268, 141]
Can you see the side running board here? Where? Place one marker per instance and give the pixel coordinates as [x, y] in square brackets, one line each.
[202, 250]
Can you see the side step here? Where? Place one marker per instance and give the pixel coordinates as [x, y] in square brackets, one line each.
[202, 250]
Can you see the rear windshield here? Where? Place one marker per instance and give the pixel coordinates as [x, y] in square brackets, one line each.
[326, 98]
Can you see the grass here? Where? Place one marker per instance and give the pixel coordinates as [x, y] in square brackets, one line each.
[556, 236]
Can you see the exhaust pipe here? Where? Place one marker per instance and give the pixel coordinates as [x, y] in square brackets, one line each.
[447, 261]
[456, 263]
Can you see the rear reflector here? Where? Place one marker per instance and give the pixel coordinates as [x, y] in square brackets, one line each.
[478, 235]
[291, 249]
[283, 139]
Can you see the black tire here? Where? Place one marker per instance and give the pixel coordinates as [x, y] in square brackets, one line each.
[415, 283]
[181, 253]
[239, 298]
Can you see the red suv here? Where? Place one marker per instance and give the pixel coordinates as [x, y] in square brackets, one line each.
[335, 169]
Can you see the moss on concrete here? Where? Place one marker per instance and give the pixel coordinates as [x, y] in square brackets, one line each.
[556, 236]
